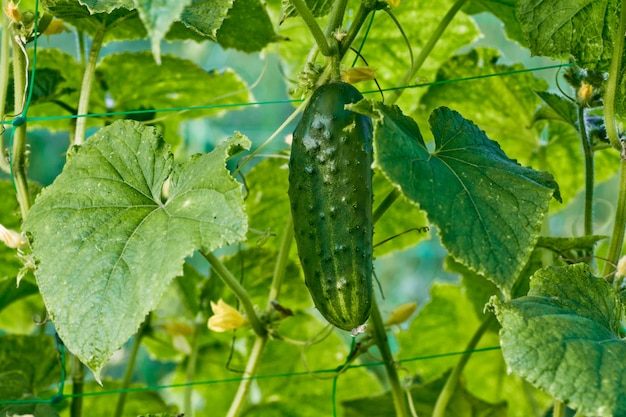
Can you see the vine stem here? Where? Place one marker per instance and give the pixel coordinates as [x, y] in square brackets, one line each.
[191, 369]
[611, 83]
[240, 292]
[380, 336]
[261, 341]
[588, 156]
[336, 17]
[244, 386]
[359, 19]
[85, 88]
[78, 381]
[130, 369]
[19, 158]
[617, 237]
[5, 39]
[314, 28]
[559, 409]
[453, 380]
[426, 50]
[385, 204]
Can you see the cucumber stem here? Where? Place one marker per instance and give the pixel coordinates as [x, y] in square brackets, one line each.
[314, 28]
[380, 336]
[240, 292]
[612, 81]
[453, 379]
[5, 38]
[78, 381]
[19, 159]
[588, 157]
[359, 19]
[85, 88]
[190, 373]
[244, 386]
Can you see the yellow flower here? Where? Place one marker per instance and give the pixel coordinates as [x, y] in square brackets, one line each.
[224, 317]
[12, 239]
[401, 313]
[621, 266]
[55, 27]
[358, 74]
[585, 92]
[393, 3]
[13, 12]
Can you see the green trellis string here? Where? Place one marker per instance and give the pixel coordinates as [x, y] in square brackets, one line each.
[21, 118]
[60, 396]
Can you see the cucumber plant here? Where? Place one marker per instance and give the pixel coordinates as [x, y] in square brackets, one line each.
[189, 257]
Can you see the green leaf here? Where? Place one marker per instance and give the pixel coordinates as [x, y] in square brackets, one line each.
[462, 403]
[563, 338]
[508, 114]
[118, 18]
[34, 358]
[503, 10]
[176, 83]
[108, 245]
[157, 17]
[570, 248]
[247, 27]
[488, 208]
[206, 17]
[556, 107]
[585, 29]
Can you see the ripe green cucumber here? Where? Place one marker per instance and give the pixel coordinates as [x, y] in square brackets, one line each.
[330, 191]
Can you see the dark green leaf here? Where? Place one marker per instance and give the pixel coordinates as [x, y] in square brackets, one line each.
[206, 17]
[488, 208]
[556, 107]
[570, 248]
[247, 27]
[318, 8]
[35, 358]
[109, 243]
[563, 338]
[585, 29]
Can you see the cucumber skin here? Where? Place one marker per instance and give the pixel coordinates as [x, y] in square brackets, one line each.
[330, 190]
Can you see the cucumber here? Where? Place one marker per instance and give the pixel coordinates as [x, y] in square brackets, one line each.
[330, 191]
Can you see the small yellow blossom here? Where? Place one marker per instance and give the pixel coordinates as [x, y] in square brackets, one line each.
[12, 239]
[393, 3]
[55, 27]
[225, 317]
[13, 12]
[401, 313]
[358, 74]
[585, 92]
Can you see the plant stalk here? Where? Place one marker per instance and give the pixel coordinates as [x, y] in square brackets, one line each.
[85, 88]
[281, 263]
[589, 181]
[78, 381]
[559, 409]
[612, 81]
[190, 373]
[314, 28]
[336, 17]
[453, 380]
[19, 160]
[5, 38]
[130, 369]
[426, 50]
[240, 293]
[244, 386]
[617, 236]
[385, 204]
[359, 19]
[380, 336]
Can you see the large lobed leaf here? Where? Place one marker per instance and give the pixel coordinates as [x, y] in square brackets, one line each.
[488, 208]
[585, 29]
[108, 243]
[563, 338]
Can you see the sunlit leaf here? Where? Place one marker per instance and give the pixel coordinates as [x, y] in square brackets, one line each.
[247, 27]
[108, 246]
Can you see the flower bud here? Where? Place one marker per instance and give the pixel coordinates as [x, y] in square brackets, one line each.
[224, 317]
[401, 313]
[12, 239]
